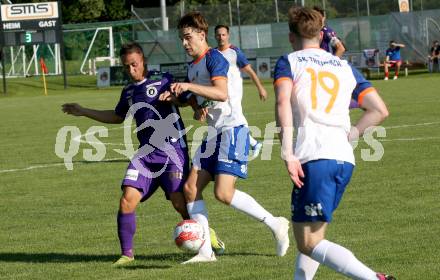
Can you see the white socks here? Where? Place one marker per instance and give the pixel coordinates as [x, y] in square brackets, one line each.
[247, 204]
[341, 260]
[197, 211]
[252, 141]
[305, 267]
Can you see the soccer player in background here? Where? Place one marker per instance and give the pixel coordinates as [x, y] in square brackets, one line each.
[222, 156]
[330, 41]
[393, 58]
[434, 56]
[238, 62]
[313, 90]
[162, 159]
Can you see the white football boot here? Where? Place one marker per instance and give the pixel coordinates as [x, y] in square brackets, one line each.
[281, 235]
[200, 258]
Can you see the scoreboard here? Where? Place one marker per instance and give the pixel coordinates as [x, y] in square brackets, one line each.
[30, 23]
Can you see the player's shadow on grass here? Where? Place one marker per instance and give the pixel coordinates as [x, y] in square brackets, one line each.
[72, 258]
[149, 267]
[244, 254]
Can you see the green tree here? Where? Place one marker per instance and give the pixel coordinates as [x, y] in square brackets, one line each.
[115, 10]
[76, 11]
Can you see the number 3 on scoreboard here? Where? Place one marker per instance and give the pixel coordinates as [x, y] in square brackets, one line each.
[319, 78]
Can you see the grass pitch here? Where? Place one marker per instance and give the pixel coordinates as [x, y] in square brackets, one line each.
[61, 224]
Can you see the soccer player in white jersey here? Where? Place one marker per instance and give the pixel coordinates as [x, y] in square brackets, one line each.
[222, 157]
[313, 89]
[237, 63]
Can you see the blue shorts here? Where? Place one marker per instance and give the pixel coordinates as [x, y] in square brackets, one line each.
[324, 184]
[169, 177]
[227, 153]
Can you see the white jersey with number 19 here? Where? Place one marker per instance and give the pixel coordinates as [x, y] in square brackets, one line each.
[323, 87]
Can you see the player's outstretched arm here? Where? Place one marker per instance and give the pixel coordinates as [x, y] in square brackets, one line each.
[105, 116]
[398, 45]
[284, 119]
[251, 73]
[375, 112]
[218, 91]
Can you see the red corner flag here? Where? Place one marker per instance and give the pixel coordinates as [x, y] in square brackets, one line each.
[44, 71]
[43, 66]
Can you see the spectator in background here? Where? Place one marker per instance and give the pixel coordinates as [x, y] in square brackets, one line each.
[330, 42]
[393, 58]
[434, 55]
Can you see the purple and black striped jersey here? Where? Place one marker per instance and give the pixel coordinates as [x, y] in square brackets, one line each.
[329, 39]
[154, 119]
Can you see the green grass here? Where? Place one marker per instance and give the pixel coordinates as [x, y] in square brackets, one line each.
[60, 224]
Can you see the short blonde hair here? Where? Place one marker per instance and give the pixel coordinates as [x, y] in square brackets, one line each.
[305, 22]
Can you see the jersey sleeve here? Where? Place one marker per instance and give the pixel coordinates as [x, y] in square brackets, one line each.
[282, 70]
[168, 78]
[388, 52]
[217, 65]
[183, 98]
[330, 36]
[362, 88]
[122, 107]
[242, 61]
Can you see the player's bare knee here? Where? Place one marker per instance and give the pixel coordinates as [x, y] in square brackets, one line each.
[305, 248]
[127, 205]
[190, 191]
[223, 196]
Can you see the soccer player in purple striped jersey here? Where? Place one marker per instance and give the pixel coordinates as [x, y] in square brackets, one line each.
[222, 156]
[162, 158]
[329, 41]
[313, 89]
[238, 63]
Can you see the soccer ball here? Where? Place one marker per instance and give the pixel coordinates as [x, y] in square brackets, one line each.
[189, 235]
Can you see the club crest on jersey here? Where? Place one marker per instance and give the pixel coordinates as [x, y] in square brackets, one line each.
[151, 91]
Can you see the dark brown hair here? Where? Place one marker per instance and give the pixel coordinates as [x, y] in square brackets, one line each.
[195, 20]
[320, 10]
[221, 26]
[131, 47]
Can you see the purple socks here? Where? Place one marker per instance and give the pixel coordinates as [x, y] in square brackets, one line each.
[126, 231]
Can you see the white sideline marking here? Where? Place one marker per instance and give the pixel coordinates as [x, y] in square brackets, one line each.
[52, 165]
[277, 141]
[411, 125]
